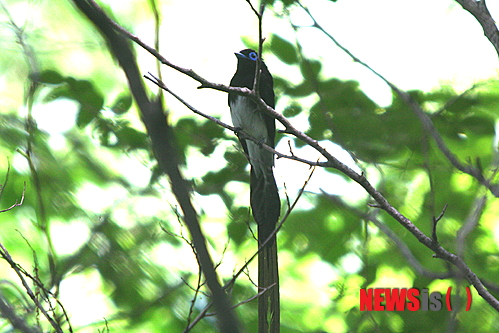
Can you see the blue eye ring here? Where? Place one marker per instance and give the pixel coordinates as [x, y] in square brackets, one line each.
[253, 56]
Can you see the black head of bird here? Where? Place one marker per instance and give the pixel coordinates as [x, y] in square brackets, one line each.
[245, 75]
[246, 67]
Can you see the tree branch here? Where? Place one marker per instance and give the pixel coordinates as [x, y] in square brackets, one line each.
[17, 203]
[165, 151]
[18, 323]
[420, 113]
[241, 133]
[21, 273]
[399, 243]
[479, 10]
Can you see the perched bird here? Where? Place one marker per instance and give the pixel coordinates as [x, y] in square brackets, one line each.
[264, 197]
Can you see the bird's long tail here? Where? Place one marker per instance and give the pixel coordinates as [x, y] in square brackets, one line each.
[265, 205]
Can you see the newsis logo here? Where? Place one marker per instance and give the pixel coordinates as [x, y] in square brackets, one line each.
[402, 299]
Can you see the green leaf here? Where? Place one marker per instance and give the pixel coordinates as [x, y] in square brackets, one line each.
[269, 2]
[86, 114]
[292, 110]
[90, 99]
[51, 77]
[130, 138]
[60, 91]
[283, 50]
[122, 103]
[301, 90]
[310, 69]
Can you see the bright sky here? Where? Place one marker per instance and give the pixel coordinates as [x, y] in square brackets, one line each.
[416, 45]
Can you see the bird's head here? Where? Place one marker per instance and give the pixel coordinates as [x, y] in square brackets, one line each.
[247, 55]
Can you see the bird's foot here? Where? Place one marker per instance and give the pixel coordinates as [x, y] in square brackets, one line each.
[237, 130]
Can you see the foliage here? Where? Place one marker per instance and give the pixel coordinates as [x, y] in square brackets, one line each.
[87, 218]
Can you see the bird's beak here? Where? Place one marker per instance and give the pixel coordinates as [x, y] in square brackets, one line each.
[240, 55]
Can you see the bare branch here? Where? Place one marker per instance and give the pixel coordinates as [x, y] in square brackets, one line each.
[479, 10]
[2, 187]
[252, 8]
[470, 224]
[18, 323]
[17, 203]
[420, 113]
[258, 72]
[453, 100]
[434, 234]
[165, 150]
[21, 273]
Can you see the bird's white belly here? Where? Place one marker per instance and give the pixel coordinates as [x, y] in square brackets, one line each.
[248, 118]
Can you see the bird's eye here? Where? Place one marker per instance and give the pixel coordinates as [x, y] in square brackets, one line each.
[253, 56]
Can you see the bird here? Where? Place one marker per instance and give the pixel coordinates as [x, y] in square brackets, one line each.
[264, 195]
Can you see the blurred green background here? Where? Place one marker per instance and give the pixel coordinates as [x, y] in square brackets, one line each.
[100, 228]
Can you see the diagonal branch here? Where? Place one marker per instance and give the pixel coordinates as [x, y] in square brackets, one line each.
[420, 113]
[21, 273]
[17, 203]
[18, 323]
[165, 151]
[479, 10]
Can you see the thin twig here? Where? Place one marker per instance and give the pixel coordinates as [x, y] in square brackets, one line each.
[17, 203]
[203, 313]
[157, 26]
[453, 100]
[261, 292]
[6, 180]
[434, 234]
[252, 8]
[20, 273]
[200, 284]
[258, 72]
[470, 224]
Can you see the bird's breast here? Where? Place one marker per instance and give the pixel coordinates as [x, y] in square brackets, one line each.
[246, 116]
